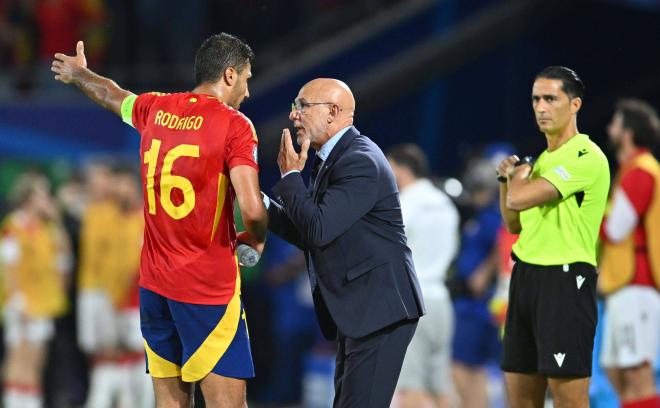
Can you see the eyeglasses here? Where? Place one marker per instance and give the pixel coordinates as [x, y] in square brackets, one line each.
[298, 106]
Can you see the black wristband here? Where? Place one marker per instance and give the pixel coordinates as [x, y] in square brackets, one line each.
[501, 179]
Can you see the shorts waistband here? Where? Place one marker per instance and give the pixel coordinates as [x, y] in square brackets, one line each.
[566, 267]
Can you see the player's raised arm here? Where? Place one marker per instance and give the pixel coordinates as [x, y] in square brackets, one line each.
[73, 70]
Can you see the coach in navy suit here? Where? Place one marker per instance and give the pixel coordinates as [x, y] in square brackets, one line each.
[348, 222]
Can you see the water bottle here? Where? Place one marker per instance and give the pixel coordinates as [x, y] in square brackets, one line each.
[247, 256]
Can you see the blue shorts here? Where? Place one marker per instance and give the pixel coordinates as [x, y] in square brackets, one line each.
[476, 338]
[190, 341]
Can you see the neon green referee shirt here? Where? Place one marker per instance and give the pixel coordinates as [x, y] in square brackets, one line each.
[565, 231]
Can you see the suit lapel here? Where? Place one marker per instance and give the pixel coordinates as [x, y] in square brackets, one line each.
[337, 151]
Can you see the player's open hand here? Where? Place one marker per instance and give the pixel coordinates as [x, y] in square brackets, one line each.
[288, 159]
[66, 67]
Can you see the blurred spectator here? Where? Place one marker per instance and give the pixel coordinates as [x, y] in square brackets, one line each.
[476, 341]
[62, 23]
[66, 371]
[630, 263]
[18, 40]
[499, 303]
[135, 389]
[103, 285]
[32, 31]
[431, 224]
[36, 258]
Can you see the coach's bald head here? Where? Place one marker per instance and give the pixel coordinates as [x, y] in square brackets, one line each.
[322, 108]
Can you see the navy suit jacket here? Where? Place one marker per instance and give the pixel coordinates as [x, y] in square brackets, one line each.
[351, 230]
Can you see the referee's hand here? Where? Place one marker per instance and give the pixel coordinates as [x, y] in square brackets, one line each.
[506, 167]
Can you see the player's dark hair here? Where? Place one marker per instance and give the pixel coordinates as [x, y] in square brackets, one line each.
[571, 83]
[219, 52]
[640, 117]
[409, 155]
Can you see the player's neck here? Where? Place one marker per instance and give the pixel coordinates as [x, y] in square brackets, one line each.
[211, 90]
[30, 214]
[556, 140]
[626, 153]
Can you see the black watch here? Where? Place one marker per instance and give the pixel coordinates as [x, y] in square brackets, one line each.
[525, 160]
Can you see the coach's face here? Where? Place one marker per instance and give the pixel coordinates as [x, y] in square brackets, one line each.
[310, 116]
[553, 108]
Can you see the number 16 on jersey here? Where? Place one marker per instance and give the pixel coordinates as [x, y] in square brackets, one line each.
[168, 181]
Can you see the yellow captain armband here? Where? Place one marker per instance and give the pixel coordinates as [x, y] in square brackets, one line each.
[127, 109]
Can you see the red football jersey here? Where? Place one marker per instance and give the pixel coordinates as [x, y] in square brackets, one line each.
[189, 144]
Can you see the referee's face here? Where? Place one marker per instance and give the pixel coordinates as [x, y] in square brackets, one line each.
[552, 106]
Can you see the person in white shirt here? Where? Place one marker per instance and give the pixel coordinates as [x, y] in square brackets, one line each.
[431, 224]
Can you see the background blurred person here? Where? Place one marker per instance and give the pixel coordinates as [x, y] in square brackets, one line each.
[431, 226]
[36, 258]
[630, 263]
[135, 385]
[99, 268]
[67, 370]
[476, 341]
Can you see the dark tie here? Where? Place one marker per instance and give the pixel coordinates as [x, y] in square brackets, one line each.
[316, 167]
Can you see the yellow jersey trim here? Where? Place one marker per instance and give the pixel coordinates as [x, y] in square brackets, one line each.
[223, 184]
[216, 344]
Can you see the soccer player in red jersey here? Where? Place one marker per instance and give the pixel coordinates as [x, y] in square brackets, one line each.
[199, 154]
[630, 258]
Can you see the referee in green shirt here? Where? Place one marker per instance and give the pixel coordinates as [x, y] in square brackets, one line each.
[556, 204]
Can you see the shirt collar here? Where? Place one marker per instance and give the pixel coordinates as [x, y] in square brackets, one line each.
[327, 147]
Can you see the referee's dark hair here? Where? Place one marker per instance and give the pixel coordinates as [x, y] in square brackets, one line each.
[640, 117]
[571, 83]
[219, 52]
[409, 155]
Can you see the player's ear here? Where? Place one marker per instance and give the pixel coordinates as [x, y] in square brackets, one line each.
[230, 76]
[576, 104]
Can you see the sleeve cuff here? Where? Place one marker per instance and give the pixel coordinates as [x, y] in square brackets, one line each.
[266, 199]
[290, 172]
[127, 109]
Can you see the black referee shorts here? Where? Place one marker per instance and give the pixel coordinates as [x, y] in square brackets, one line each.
[551, 320]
